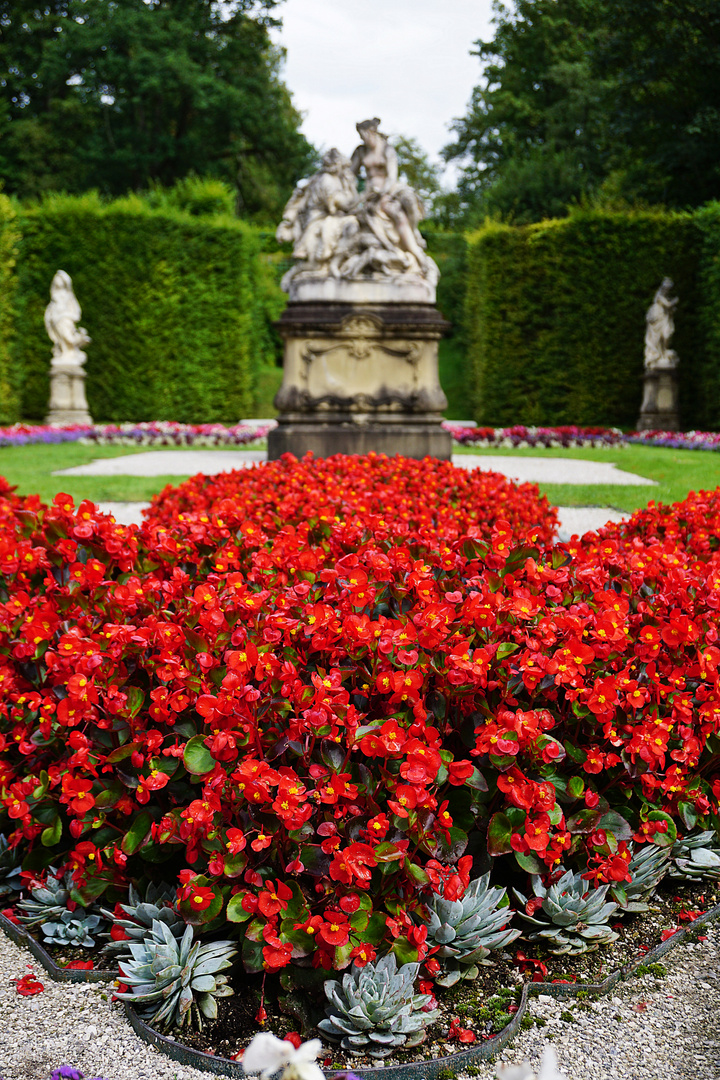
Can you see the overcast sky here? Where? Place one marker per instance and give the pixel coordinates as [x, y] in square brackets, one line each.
[406, 61]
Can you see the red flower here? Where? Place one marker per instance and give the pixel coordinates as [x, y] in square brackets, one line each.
[28, 985]
[335, 930]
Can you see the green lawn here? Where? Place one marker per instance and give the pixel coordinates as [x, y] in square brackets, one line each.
[677, 472]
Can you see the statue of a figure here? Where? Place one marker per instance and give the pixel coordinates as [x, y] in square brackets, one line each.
[341, 233]
[660, 328]
[68, 403]
[392, 210]
[61, 316]
[317, 213]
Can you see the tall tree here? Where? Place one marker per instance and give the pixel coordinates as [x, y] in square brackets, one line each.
[660, 60]
[592, 97]
[116, 94]
[529, 143]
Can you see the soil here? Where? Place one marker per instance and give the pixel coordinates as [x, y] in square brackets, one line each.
[67, 954]
[483, 1007]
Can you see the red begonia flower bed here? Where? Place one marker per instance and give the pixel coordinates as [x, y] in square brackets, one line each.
[313, 692]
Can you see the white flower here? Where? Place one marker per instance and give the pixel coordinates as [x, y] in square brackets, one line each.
[267, 1055]
[548, 1069]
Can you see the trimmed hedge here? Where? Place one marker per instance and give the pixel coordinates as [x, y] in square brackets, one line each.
[449, 250]
[555, 316]
[708, 220]
[9, 236]
[175, 305]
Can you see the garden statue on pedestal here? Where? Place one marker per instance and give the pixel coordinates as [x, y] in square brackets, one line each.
[361, 330]
[68, 404]
[659, 409]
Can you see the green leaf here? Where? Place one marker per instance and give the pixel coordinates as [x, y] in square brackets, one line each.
[688, 815]
[342, 956]
[89, 892]
[136, 699]
[51, 836]
[666, 839]
[122, 752]
[576, 786]
[404, 951]
[42, 786]
[416, 872]
[252, 948]
[197, 759]
[584, 821]
[530, 863]
[235, 911]
[506, 648]
[616, 824]
[499, 833]
[136, 833]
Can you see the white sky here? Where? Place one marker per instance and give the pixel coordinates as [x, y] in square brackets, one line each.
[406, 61]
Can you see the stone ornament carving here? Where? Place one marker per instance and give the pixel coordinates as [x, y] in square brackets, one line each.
[343, 237]
[659, 329]
[68, 403]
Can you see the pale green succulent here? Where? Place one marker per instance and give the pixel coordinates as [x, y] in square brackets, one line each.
[158, 906]
[375, 1009]
[695, 857]
[72, 928]
[175, 983]
[47, 901]
[572, 917]
[647, 867]
[468, 930]
[9, 868]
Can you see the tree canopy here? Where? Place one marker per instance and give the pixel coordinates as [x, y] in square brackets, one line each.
[585, 98]
[122, 94]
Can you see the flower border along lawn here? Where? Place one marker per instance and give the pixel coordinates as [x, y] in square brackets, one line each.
[677, 472]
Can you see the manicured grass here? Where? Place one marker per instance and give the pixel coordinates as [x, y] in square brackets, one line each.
[30, 469]
[677, 472]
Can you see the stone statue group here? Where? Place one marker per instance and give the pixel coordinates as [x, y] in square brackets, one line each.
[339, 231]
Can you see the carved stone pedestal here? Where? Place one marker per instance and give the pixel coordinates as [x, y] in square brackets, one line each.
[360, 377]
[68, 403]
[659, 409]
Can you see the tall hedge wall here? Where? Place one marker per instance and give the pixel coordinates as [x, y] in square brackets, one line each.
[174, 304]
[708, 220]
[449, 250]
[555, 317]
[9, 237]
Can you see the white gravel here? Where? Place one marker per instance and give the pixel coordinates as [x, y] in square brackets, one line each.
[647, 1029]
[71, 1024]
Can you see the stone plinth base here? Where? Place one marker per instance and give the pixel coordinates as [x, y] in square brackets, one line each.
[68, 404]
[360, 377]
[409, 439]
[659, 410]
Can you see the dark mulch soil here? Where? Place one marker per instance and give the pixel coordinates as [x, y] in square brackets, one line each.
[484, 1006]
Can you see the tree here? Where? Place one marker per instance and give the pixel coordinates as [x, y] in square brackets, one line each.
[592, 98]
[119, 94]
[417, 170]
[660, 60]
[529, 143]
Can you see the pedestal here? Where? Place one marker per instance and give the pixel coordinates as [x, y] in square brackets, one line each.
[361, 377]
[68, 403]
[659, 409]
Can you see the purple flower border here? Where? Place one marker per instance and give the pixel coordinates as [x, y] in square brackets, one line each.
[170, 433]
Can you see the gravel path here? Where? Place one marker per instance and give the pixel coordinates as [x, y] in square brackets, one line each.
[188, 462]
[649, 1029]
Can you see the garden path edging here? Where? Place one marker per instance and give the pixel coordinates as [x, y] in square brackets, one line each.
[431, 1069]
[59, 974]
